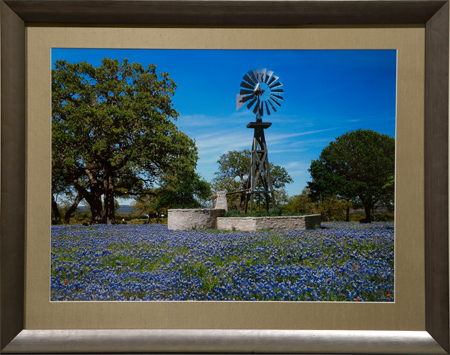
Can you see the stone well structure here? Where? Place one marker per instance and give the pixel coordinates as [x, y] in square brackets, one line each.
[199, 218]
[207, 218]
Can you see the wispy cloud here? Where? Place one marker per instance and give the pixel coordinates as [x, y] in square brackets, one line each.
[276, 151]
[196, 120]
[239, 118]
[227, 139]
[278, 137]
[311, 142]
[296, 166]
[292, 164]
[303, 172]
[208, 120]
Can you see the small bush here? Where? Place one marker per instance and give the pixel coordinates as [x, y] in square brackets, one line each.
[385, 217]
[232, 213]
[276, 211]
[381, 218]
[357, 217]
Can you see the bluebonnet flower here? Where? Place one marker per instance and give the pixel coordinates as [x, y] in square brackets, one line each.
[344, 262]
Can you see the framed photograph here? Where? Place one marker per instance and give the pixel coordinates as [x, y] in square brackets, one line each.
[416, 322]
[330, 93]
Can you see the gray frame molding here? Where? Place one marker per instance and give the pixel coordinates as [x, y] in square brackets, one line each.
[228, 341]
[15, 14]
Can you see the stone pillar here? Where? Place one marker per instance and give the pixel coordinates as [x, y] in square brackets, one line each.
[221, 201]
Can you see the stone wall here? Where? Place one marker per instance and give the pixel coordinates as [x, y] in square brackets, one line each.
[207, 218]
[186, 219]
[264, 223]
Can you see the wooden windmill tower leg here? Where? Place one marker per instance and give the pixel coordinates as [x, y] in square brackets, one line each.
[259, 167]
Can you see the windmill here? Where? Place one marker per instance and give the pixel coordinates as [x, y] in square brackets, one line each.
[261, 91]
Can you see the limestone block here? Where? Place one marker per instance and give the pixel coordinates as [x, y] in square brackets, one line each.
[187, 219]
[221, 200]
[236, 223]
[267, 223]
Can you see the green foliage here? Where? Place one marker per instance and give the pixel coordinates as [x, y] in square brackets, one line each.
[113, 133]
[183, 192]
[358, 166]
[146, 206]
[232, 176]
[381, 218]
[234, 168]
[385, 217]
[276, 211]
[232, 213]
[282, 198]
[388, 198]
[175, 192]
[302, 203]
[331, 208]
[357, 217]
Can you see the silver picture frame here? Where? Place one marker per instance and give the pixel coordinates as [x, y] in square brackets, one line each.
[16, 15]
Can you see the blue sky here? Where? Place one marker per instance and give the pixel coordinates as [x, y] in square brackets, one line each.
[326, 94]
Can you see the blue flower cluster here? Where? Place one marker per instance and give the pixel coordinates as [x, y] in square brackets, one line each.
[340, 262]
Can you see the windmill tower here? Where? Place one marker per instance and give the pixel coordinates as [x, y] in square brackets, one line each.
[261, 91]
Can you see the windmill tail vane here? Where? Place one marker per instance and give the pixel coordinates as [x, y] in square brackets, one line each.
[261, 91]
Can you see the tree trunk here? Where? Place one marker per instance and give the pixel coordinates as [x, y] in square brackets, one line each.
[266, 200]
[109, 200]
[72, 209]
[242, 202]
[93, 198]
[96, 210]
[347, 214]
[368, 210]
[56, 214]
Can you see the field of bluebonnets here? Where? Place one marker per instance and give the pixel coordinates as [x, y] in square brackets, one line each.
[338, 262]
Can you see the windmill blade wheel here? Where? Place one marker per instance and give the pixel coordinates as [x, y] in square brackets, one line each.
[261, 91]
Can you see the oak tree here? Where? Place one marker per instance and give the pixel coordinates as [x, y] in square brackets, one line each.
[113, 133]
[358, 166]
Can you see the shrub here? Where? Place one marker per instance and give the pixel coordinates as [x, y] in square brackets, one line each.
[385, 217]
[232, 213]
[276, 211]
[381, 218]
[356, 217]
